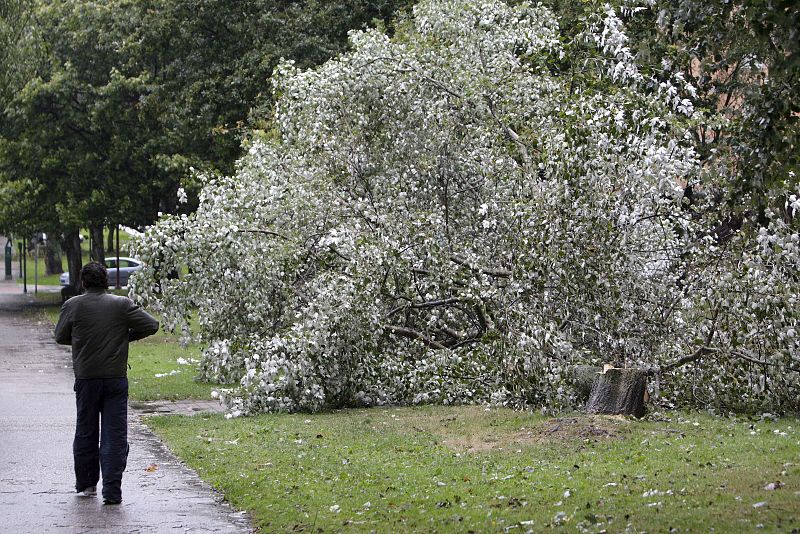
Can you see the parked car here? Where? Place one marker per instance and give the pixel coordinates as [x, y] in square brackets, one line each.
[127, 266]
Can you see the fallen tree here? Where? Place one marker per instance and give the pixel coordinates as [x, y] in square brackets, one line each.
[466, 212]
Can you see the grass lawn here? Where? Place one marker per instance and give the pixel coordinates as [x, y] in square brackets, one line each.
[30, 270]
[463, 469]
[155, 373]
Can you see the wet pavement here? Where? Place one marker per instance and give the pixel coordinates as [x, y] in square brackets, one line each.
[37, 417]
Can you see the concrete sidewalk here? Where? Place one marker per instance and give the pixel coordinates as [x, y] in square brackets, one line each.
[37, 417]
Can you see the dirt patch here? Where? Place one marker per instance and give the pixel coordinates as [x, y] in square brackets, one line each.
[565, 430]
[571, 428]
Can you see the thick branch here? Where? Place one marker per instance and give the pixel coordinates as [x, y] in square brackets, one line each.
[512, 135]
[700, 352]
[423, 305]
[413, 334]
[434, 303]
[696, 355]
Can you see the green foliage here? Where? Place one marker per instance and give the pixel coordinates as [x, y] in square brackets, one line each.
[21, 53]
[743, 59]
[123, 98]
[209, 63]
[56, 146]
[461, 469]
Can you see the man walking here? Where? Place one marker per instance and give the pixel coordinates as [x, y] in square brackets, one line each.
[99, 326]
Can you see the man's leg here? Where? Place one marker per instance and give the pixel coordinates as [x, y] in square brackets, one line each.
[87, 433]
[114, 437]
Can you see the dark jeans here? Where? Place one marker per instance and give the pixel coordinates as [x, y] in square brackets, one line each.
[101, 434]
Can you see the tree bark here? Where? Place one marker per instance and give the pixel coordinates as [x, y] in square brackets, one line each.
[618, 391]
[98, 252]
[72, 248]
[110, 240]
[52, 257]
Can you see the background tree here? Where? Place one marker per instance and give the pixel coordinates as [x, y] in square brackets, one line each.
[128, 96]
[744, 59]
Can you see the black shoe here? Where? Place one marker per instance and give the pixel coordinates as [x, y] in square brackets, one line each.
[112, 501]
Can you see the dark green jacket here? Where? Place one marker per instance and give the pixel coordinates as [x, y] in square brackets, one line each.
[99, 326]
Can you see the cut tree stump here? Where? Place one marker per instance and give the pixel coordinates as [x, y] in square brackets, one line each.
[618, 391]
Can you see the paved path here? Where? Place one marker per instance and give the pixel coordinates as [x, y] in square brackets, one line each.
[37, 417]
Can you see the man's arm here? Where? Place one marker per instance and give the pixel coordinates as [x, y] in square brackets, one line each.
[140, 323]
[63, 331]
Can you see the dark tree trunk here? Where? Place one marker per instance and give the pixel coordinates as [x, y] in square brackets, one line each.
[52, 257]
[72, 248]
[98, 252]
[618, 391]
[110, 239]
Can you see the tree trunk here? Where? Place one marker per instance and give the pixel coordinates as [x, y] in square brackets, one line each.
[52, 257]
[618, 391]
[98, 252]
[110, 239]
[72, 248]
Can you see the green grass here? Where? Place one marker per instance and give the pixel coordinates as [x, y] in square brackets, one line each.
[30, 269]
[155, 373]
[462, 469]
[153, 360]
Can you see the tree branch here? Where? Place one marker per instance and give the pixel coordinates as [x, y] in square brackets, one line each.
[744, 356]
[265, 232]
[700, 352]
[423, 305]
[413, 334]
[497, 273]
[696, 355]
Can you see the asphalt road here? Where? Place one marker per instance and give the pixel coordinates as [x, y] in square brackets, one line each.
[37, 417]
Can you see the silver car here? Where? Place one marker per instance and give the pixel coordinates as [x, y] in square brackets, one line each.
[127, 266]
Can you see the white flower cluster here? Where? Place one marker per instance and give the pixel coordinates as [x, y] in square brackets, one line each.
[448, 218]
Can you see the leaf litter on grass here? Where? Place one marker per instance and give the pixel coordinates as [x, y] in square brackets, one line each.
[600, 472]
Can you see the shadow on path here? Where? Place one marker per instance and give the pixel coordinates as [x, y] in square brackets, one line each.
[37, 417]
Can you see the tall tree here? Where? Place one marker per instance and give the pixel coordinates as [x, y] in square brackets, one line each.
[128, 97]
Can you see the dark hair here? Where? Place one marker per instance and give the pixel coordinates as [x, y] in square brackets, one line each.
[94, 275]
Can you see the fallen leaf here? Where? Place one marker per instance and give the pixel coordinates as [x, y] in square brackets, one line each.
[151, 468]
